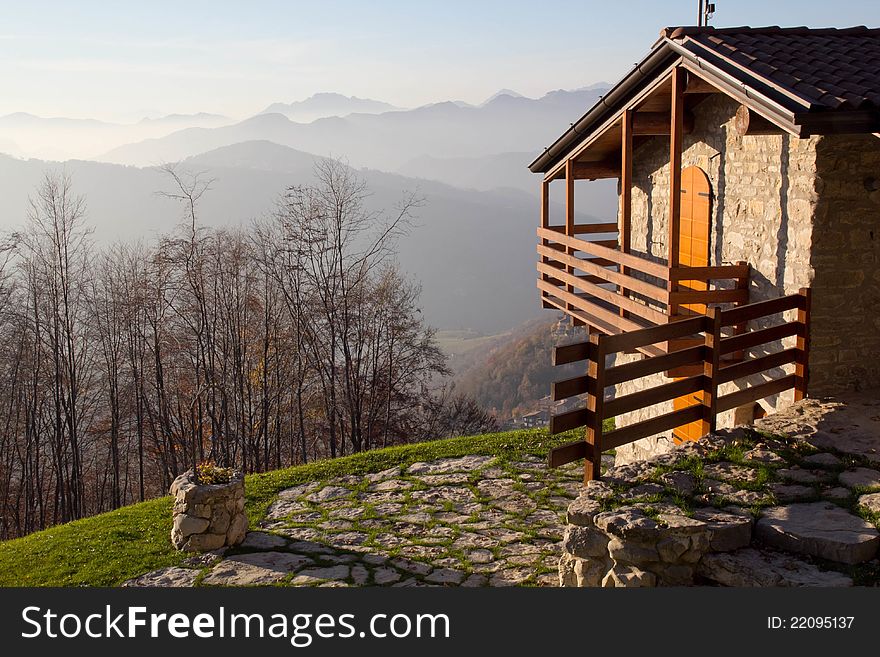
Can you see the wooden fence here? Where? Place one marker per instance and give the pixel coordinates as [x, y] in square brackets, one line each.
[720, 333]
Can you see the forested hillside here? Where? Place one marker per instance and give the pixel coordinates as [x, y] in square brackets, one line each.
[514, 373]
[262, 347]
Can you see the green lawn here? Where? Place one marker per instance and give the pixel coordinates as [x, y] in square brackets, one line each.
[110, 548]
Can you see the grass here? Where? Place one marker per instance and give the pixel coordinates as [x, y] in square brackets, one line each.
[107, 549]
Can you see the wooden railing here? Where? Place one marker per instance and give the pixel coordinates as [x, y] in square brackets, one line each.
[719, 337]
[576, 276]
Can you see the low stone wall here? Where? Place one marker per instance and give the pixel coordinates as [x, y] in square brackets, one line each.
[208, 517]
[733, 509]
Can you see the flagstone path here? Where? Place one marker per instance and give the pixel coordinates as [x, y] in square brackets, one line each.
[465, 521]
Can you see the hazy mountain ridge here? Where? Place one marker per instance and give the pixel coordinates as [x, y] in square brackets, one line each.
[322, 105]
[472, 251]
[62, 138]
[388, 140]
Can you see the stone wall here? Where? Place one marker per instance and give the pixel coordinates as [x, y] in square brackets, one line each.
[845, 256]
[689, 516]
[208, 517]
[764, 198]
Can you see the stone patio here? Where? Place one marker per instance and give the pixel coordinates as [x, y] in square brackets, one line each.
[467, 521]
[778, 510]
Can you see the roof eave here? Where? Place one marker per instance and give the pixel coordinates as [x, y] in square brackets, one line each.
[654, 60]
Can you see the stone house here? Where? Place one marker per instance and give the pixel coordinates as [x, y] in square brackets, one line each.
[753, 156]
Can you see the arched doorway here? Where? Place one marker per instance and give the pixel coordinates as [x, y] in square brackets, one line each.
[696, 219]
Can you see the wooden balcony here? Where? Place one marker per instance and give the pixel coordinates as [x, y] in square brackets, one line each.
[614, 292]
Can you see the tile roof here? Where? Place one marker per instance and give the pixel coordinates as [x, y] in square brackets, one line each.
[832, 69]
[808, 80]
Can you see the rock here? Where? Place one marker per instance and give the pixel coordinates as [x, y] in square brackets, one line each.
[441, 494]
[445, 465]
[643, 490]
[633, 553]
[256, 568]
[391, 484]
[726, 531]
[173, 576]
[674, 574]
[237, 529]
[820, 529]
[871, 502]
[516, 503]
[453, 478]
[628, 577]
[801, 476]
[263, 541]
[328, 493]
[414, 567]
[747, 497]
[384, 474]
[823, 460]
[598, 489]
[860, 477]
[384, 576]
[510, 577]
[204, 542]
[786, 493]
[309, 547]
[480, 556]
[317, 574]
[359, 575]
[584, 542]
[187, 524]
[445, 576]
[749, 567]
[838, 493]
[628, 523]
[726, 471]
[760, 455]
[683, 482]
[475, 580]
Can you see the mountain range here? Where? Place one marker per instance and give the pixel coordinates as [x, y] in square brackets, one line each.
[471, 245]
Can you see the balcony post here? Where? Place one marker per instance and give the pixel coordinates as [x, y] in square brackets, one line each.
[675, 134]
[595, 403]
[545, 223]
[569, 224]
[625, 227]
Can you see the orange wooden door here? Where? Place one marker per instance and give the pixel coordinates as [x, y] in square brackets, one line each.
[693, 252]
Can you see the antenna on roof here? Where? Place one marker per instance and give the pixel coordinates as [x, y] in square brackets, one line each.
[705, 12]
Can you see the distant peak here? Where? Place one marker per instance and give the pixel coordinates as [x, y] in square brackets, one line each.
[503, 92]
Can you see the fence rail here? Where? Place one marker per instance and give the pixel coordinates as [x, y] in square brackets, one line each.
[707, 357]
[616, 292]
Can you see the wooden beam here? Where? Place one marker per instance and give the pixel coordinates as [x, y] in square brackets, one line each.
[595, 403]
[748, 123]
[569, 215]
[624, 235]
[802, 368]
[697, 85]
[571, 353]
[675, 136]
[545, 223]
[569, 452]
[609, 168]
[570, 420]
[659, 123]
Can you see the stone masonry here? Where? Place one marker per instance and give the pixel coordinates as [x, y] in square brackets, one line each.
[801, 212]
[739, 508]
[208, 517]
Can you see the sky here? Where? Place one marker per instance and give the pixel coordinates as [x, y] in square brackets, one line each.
[122, 61]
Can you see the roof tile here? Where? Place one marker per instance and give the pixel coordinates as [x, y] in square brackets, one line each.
[832, 68]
